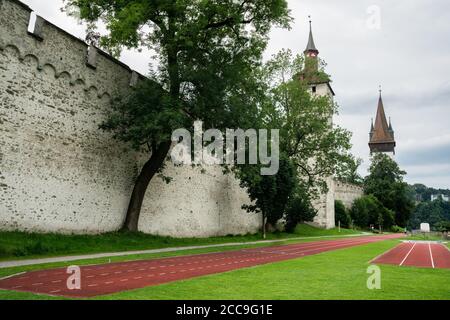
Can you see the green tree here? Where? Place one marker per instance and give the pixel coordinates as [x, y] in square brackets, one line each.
[348, 170]
[269, 194]
[360, 213]
[307, 134]
[206, 50]
[368, 210]
[385, 182]
[299, 208]
[308, 140]
[433, 212]
[341, 215]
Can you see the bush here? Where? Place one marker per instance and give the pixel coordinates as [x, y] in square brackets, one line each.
[341, 214]
[299, 209]
[397, 229]
[368, 210]
[443, 226]
[360, 213]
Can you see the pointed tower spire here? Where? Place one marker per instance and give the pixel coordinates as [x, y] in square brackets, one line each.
[382, 135]
[311, 49]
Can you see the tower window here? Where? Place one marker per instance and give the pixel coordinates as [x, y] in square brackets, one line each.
[314, 89]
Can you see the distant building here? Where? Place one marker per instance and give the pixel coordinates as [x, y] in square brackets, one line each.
[437, 196]
[381, 136]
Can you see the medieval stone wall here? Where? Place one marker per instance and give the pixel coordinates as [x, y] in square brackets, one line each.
[60, 173]
[347, 192]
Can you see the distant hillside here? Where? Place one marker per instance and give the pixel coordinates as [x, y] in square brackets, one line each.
[421, 192]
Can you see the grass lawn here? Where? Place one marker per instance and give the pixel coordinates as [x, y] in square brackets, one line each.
[339, 274]
[20, 245]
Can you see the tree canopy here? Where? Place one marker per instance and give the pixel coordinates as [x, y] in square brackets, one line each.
[385, 182]
[206, 52]
[311, 146]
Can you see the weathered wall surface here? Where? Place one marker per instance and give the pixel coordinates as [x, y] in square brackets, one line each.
[347, 193]
[325, 203]
[60, 173]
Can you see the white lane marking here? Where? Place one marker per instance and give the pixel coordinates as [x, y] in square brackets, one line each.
[55, 291]
[90, 276]
[17, 287]
[161, 274]
[401, 263]
[104, 274]
[37, 284]
[137, 278]
[56, 281]
[109, 282]
[92, 285]
[123, 280]
[431, 255]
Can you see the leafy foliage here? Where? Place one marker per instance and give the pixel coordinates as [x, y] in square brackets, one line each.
[436, 213]
[368, 210]
[423, 193]
[307, 134]
[385, 182]
[341, 214]
[348, 170]
[299, 209]
[270, 194]
[205, 52]
[311, 146]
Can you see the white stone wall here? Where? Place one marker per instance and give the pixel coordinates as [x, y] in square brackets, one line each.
[60, 173]
[325, 204]
[347, 193]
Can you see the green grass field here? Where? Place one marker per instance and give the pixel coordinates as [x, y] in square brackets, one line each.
[20, 245]
[339, 274]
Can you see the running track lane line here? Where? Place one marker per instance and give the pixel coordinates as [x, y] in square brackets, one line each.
[424, 254]
[236, 260]
[431, 255]
[408, 254]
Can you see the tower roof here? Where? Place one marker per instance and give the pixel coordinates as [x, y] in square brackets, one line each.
[311, 47]
[381, 130]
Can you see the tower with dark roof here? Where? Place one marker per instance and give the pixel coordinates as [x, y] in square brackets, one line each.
[318, 81]
[381, 136]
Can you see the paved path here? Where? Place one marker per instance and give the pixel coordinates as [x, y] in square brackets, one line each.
[19, 263]
[417, 254]
[116, 277]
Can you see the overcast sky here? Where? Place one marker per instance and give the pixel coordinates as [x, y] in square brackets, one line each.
[407, 51]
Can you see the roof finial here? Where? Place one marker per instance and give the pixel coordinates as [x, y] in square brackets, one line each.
[380, 89]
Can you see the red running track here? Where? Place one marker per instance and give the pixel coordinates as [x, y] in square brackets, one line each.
[115, 277]
[417, 254]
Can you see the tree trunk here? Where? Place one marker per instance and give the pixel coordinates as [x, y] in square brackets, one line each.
[264, 227]
[149, 170]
